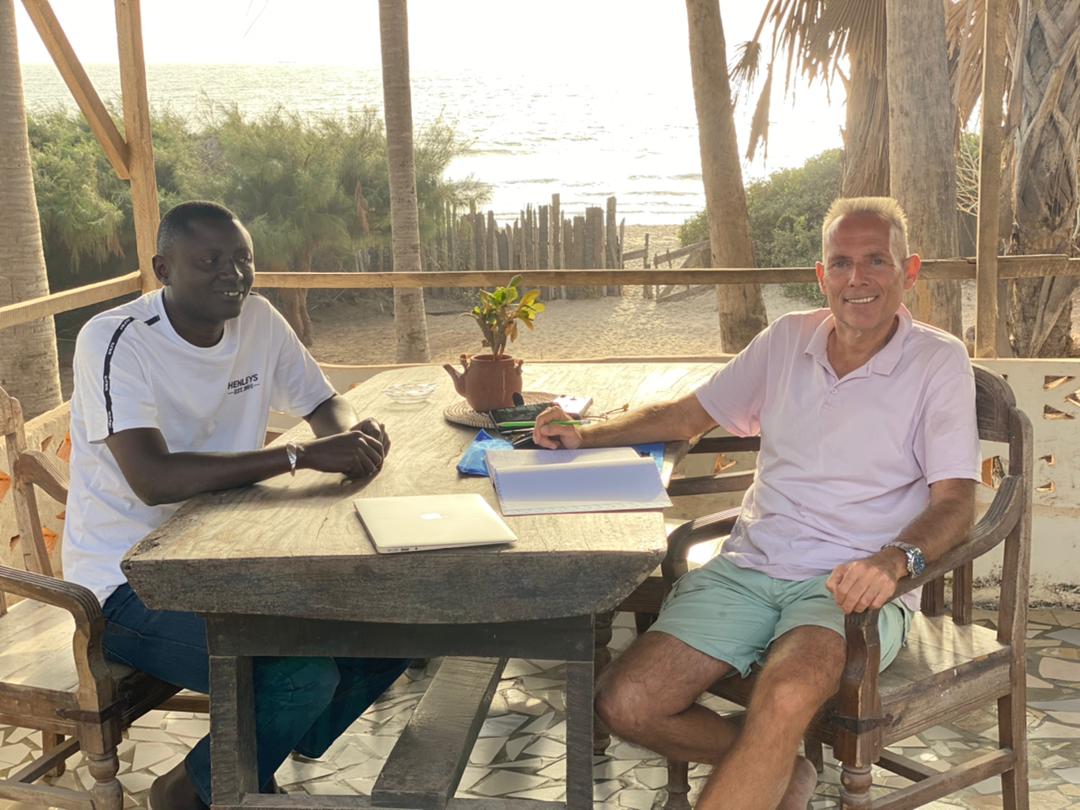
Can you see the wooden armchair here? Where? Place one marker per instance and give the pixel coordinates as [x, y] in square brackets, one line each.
[949, 666]
[53, 673]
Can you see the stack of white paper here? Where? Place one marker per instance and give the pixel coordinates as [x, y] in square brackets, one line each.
[532, 482]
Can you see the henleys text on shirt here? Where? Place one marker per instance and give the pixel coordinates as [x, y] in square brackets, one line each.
[243, 384]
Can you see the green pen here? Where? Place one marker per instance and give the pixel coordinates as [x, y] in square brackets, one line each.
[533, 423]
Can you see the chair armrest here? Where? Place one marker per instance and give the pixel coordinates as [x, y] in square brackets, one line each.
[34, 467]
[96, 689]
[689, 534]
[726, 444]
[77, 600]
[1004, 512]
[711, 484]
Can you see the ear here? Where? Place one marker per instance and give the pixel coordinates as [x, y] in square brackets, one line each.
[819, 268]
[911, 270]
[161, 269]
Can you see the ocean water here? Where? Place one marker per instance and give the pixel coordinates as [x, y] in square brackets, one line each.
[585, 136]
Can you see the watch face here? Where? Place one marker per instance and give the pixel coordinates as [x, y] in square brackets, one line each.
[916, 562]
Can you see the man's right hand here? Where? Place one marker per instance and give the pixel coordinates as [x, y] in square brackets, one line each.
[355, 453]
[552, 436]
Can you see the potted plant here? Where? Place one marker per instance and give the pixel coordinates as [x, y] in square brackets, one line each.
[491, 380]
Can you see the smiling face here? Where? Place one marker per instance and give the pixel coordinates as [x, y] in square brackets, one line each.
[862, 278]
[207, 272]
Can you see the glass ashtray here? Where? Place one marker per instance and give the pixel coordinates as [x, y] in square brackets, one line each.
[409, 393]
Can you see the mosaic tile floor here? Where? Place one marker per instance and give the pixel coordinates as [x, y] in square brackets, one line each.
[520, 752]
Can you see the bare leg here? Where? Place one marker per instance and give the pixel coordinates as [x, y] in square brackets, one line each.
[801, 672]
[647, 696]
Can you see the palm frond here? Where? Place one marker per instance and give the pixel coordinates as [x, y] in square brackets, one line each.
[759, 126]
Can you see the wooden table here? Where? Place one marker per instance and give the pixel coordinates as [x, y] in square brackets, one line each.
[284, 568]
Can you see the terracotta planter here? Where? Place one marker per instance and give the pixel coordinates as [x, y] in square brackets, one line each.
[487, 381]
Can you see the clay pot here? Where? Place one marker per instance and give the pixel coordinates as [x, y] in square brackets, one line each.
[487, 381]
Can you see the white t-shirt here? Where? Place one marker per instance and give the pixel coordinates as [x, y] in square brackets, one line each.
[132, 370]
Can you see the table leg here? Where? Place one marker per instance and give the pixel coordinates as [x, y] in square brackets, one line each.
[579, 735]
[601, 659]
[232, 730]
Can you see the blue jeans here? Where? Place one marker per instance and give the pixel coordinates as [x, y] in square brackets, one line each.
[301, 704]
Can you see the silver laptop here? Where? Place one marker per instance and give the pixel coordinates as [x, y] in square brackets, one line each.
[423, 522]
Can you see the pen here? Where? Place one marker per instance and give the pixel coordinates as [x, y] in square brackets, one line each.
[533, 423]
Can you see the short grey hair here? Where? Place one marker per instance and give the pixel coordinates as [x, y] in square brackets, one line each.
[887, 208]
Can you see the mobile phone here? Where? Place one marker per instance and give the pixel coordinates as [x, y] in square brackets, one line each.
[519, 413]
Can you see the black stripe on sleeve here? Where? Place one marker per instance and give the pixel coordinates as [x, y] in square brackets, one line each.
[108, 363]
[152, 321]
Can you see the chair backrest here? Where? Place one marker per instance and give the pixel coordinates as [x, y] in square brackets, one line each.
[998, 420]
[27, 468]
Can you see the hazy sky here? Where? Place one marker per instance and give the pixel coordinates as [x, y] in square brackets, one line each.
[626, 43]
[473, 33]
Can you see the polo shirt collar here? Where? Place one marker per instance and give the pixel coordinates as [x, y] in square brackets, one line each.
[884, 362]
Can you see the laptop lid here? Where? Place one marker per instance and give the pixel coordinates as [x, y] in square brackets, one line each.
[422, 522]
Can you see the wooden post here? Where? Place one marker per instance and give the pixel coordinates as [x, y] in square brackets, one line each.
[519, 247]
[527, 237]
[556, 243]
[580, 258]
[475, 245]
[611, 244]
[649, 291]
[545, 255]
[986, 251]
[595, 254]
[97, 117]
[492, 248]
[534, 233]
[144, 192]
[567, 242]
[504, 242]
[451, 238]
[480, 241]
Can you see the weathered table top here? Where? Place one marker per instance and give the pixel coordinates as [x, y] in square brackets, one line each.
[295, 547]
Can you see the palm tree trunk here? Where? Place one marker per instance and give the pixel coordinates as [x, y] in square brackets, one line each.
[866, 130]
[1044, 178]
[741, 308]
[29, 369]
[922, 157]
[410, 320]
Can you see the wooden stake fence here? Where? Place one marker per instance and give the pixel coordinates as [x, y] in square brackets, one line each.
[540, 238]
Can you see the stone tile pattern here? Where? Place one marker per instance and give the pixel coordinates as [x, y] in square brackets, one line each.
[521, 751]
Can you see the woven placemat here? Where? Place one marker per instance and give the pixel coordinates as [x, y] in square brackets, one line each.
[461, 414]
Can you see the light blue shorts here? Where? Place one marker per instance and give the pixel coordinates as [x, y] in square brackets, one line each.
[733, 614]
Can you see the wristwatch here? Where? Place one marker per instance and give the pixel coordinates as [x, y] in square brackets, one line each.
[293, 451]
[916, 562]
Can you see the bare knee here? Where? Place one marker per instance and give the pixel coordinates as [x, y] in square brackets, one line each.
[788, 702]
[623, 704]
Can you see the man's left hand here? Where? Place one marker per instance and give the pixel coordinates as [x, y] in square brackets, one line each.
[865, 584]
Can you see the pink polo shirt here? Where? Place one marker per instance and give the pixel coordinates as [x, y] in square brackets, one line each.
[844, 464]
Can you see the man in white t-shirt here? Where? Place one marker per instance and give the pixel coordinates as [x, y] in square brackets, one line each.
[867, 469]
[172, 397]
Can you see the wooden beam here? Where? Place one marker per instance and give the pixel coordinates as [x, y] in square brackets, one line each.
[26, 311]
[993, 87]
[144, 192]
[939, 269]
[63, 55]
[1009, 267]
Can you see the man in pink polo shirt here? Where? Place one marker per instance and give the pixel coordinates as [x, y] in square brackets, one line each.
[867, 470]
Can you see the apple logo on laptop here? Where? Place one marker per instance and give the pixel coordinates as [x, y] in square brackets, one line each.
[431, 516]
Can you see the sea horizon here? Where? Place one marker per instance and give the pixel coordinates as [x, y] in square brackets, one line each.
[528, 137]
